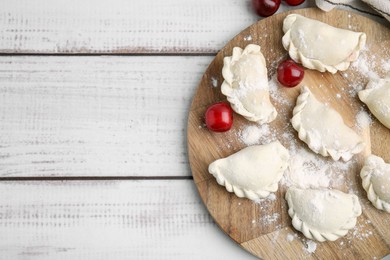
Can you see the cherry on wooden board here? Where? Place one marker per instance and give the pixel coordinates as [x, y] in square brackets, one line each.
[289, 73]
[219, 117]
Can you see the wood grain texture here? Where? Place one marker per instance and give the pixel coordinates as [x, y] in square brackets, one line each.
[120, 26]
[95, 116]
[108, 220]
[245, 221]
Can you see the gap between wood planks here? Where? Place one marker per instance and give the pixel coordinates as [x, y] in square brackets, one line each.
[86, 54]
[97, 178]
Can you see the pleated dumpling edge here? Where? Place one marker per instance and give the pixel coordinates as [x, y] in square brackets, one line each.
[322, 214]
[320, 46]
[377, 98]
[375, 176]
[323, 129]
[246, 84]
[253, 172]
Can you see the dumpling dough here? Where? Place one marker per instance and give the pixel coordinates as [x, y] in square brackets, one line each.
[322, 214]
[376, 181]
[253, 172]
[377, 97]
[323, 129]
[320, 46]
[246, 84]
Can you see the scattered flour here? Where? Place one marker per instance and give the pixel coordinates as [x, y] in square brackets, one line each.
[268, 219]
[256, 134]
[386, 65]
[306, 169]
[248, 38]
[251, 134]
[290, 237]
[275, 92]
[266, 202]
[361, 231]
[311, 246]
[363, 65]
[272, 197]
[364, 70]
[363, 119]
[214, 82]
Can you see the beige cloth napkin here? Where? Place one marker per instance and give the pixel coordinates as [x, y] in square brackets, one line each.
[380, 6]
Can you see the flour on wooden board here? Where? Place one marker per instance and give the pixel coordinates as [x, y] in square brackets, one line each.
[363, 119]
[248, 38]
[214, 82]
[290, 237]
[256, 134]
[310, 246]
[364, 68]
[386, 65]
[269, 219]
[306, 169]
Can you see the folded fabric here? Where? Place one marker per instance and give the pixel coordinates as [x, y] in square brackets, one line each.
[380, 6]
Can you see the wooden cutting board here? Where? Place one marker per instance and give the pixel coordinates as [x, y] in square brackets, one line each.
[264, 228]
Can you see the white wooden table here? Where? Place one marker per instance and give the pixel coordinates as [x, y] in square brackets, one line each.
[94, 97]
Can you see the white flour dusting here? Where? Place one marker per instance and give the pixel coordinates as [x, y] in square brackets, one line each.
[311, 246]
[363, 65]
[290, 237]
[272, 197]
[214, 82]
[307, 169]
[266, 202]
[363, 69]
[363, 119]
[316, 205]
[269, 219]
[386, 65]
[248, 38]
[361, 231]
[302, 39]
[255, 134]
[275, 92]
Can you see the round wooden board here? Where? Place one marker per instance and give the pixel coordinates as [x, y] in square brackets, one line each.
[244, 220]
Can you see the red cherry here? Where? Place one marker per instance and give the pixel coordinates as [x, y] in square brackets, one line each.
[290, 74]
[266, 7]
[219, 117]
[294, 2]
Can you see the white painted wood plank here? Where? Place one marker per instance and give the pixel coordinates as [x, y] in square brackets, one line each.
[96, 116]
[122, 26]
[109, 220]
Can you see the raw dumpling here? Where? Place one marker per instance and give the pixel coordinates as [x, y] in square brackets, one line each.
[253, 172]
[376, 181]
[322, 214]
[246, 84]
[377, 98]
[320, 46]
[323, 129]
